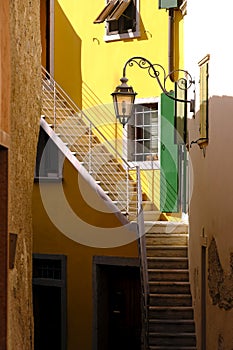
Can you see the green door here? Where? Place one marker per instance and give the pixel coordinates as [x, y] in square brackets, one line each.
[168, 158]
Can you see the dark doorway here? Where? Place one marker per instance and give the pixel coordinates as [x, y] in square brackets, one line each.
[47, 34]
[203, 298]
[118, 308]
[49, 301]
[3, 244]
[47, 317]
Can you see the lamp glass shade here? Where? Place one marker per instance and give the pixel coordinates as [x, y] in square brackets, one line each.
[123, 99]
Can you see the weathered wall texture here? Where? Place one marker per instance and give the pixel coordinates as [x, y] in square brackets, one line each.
[220, 286]
[220, 282]
[25, 115]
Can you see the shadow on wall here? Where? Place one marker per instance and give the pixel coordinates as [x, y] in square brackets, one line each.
[67, 56]
[212, 197]
[220, 124]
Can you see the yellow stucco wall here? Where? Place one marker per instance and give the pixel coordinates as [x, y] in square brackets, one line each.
[67, 54]
[48, 239]
[83, 48]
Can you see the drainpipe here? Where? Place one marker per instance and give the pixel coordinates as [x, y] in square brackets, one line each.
[171, 44]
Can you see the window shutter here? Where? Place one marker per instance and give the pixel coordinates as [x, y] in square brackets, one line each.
[119, 10]
[106, 11]
[168, 157]
[203, 100]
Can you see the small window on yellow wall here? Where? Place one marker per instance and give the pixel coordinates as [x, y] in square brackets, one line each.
[204, 75]
[121, 17]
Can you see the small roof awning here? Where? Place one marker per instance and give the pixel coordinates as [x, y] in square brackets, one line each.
[112, 11]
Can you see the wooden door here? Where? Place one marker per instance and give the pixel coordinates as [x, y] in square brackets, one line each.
[124, 309]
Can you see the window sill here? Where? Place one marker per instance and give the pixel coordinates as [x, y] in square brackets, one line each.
[129, 35]
[47, 179]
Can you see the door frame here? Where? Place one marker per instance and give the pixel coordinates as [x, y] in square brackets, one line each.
[96, 264]
[3, 245]
[61, 283]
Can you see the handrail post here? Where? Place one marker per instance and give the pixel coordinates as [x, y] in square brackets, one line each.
[127, 191]
[54, 104]
[142, 259]
[90, 148]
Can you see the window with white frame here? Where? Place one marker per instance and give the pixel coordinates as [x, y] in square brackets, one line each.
[142, 136]
[122, 19]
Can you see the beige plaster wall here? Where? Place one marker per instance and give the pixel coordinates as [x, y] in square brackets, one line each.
[24, 117]
[211, 223]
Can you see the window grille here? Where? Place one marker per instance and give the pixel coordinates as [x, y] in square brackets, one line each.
[47, 268]
[143, 133]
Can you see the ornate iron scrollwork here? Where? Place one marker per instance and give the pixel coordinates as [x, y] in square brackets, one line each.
[158, 72]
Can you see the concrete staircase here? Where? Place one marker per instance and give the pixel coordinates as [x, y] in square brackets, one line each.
[170, 313]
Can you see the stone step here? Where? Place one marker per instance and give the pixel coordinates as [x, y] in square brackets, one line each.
[170, 299]
[69, 126]
[161, 250]
[172, 347]
[69, 138]
[148, 205]
[169, 287]
[168, 275]
[171, 312]
[172, 326]
[167, 239]
[60, 110]
[70, 121]
[166, 227]
[178, 339]
[167, 262]
[151, 215]
[109, 176]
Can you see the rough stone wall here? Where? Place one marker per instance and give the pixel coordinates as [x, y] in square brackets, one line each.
[24, 118]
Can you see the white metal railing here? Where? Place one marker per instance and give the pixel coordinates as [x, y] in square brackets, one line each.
[89, 145]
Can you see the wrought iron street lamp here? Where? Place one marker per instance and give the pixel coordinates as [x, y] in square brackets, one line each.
[123, 99]
[124, 95]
